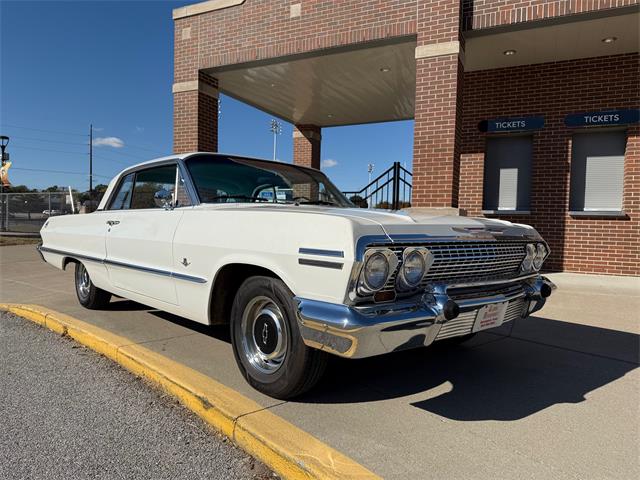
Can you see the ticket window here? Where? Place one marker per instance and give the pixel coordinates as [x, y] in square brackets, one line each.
[507, 174]
[597, 171]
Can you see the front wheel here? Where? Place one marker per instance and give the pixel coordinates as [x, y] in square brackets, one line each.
[266, 341]
[88, 294]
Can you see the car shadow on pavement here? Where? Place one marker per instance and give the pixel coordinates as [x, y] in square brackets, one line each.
[219, 332]
[493, 377]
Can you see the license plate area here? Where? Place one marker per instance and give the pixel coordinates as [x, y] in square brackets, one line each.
[490, 316]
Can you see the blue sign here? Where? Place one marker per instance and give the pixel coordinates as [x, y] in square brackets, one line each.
[609, 117]
[514, 124]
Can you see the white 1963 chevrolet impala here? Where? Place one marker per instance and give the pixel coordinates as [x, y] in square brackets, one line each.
[276, 251]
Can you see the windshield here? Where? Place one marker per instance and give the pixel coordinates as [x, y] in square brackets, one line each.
[224, 179]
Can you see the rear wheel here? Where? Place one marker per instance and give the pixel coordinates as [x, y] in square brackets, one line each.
[266, 341]
[88, 294]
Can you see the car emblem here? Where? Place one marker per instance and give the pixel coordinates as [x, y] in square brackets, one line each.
[265, 333]
[185, 262]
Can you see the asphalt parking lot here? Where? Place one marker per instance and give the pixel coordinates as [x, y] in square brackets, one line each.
[553, 396]
[68, 412]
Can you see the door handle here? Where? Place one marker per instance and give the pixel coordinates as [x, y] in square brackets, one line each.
[113, 222]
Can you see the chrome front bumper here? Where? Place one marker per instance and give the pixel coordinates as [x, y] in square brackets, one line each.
[359, 332]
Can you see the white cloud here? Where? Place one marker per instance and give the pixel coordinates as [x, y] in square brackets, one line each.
[114, 142]
[328, 163]
[139, 129]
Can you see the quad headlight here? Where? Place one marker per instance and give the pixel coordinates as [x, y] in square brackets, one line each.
[541, 255]
[536, 253]
[378, 265]
[415, 263]
[527, 263]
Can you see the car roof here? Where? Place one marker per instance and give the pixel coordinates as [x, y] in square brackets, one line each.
[184, 156]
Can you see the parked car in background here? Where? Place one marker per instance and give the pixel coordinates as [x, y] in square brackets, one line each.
[277, 252]
[52, 212]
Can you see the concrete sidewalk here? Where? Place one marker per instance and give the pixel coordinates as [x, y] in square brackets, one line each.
[556, 395]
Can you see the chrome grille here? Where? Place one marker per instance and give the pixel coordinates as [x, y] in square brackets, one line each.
[514, 310]
[463, 323]
[466, 261]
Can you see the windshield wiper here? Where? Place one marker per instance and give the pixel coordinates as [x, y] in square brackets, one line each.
[243, 197]
[320, 202]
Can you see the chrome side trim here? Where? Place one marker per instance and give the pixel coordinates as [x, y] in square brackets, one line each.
[320, 263]
[39, 249]
[321, 252]
[104, 261]
[77, 256]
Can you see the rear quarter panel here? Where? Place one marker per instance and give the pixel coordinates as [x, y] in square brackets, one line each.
[79, 234]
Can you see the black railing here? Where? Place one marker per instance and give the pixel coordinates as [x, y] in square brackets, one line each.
[390, 190]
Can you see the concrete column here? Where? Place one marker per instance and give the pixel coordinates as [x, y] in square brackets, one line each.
[306, 145]
[195, 115]
[438, 106]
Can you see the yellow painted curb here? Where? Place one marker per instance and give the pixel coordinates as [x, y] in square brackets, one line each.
[288, 450]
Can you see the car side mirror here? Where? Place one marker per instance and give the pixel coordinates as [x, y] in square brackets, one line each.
[163, 198]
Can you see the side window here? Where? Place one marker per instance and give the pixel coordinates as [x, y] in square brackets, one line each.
[182, 198]
[507, 173]
[151, 184]
[597, 171]
[123, 198]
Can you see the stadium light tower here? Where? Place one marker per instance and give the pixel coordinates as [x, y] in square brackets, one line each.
[276, 128]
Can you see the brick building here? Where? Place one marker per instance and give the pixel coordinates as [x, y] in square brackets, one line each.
[523, 110]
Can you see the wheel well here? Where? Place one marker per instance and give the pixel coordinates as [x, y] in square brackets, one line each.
[225, 286]
[67, 260]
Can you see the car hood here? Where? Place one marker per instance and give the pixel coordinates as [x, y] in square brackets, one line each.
[401, 223]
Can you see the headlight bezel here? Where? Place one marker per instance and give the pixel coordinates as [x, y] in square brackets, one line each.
[426, 257]
[364, 286]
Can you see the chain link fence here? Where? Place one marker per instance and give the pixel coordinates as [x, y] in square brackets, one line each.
[27, 212]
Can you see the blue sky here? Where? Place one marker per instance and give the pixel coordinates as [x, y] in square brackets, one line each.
[64, 65]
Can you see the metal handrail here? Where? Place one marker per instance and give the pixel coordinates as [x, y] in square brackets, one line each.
[388, 184]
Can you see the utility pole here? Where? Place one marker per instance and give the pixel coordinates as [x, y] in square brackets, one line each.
[4, 199]
[91, 163]
[276, 129]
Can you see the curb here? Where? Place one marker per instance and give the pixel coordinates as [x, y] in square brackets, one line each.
[286, 449]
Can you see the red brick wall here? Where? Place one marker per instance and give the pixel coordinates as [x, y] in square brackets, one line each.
[260, 29]
[195, 120]
[492, 13]
[306, 149]
[580, 244]
[436, 136]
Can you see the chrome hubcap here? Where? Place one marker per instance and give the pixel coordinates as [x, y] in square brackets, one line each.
[264, 335]
[84, 283]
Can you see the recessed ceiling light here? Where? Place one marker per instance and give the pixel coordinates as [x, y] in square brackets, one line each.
[508, 53]
[329, 115]
[385, 69]
[609, 39]
[273, 85]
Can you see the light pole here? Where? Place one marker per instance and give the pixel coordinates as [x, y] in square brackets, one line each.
[370, 168]
[276, 128]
